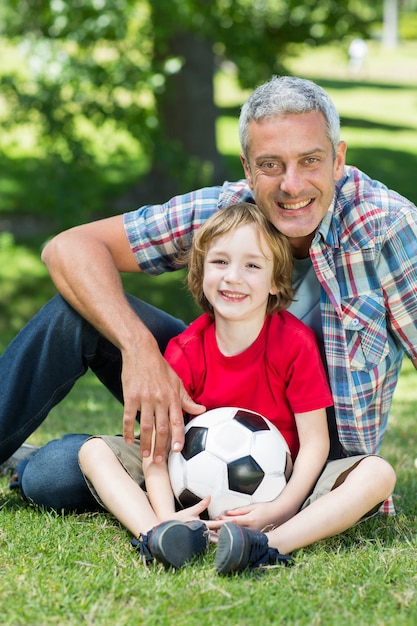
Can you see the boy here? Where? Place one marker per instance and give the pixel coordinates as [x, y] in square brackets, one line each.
[240, 274]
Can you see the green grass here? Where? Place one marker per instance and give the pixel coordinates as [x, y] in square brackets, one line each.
[80, 569]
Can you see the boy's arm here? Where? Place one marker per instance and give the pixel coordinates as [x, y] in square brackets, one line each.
[158, 487]
[314, 449]
[314, 440]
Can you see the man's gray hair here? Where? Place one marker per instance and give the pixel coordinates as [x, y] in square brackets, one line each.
[288, 94]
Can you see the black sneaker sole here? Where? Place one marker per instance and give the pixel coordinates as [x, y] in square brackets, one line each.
[175, 543]
[230, 551]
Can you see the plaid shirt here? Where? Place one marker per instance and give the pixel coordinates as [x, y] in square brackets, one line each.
[365, 257]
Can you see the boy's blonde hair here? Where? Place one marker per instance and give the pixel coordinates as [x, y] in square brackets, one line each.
[225, 221]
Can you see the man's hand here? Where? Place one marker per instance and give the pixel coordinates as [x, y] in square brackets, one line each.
[151, 387]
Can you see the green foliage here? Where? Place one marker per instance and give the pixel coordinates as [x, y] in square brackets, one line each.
[101, 66]
[77, 66]
[278, 26]
[408, 25]
[23, 279]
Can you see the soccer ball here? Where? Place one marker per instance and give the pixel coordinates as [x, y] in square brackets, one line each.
[236, 456]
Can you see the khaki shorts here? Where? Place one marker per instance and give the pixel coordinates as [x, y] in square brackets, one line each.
[333, 475]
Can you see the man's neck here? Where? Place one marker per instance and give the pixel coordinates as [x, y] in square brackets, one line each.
[300, 246]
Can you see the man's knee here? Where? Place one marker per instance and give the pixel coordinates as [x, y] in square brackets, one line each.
[52, 478]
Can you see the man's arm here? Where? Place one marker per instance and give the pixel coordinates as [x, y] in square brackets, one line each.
[85, 264]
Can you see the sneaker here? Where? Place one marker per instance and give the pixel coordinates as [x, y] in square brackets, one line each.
[239, 548]
[174, 543]
[24, 452]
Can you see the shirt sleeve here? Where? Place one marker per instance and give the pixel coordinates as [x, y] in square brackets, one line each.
[176, 357]
[398, 272]
[158, 233]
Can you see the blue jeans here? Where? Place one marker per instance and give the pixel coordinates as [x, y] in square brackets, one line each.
[52, 477]
[41, 365]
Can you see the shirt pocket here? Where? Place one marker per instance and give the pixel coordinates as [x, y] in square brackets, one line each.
[364, 322]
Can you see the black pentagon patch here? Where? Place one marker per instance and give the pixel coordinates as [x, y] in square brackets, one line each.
[251, 420]
[188, 498]
[245, 475]
[195, 442]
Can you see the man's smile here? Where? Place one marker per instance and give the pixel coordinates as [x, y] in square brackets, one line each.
[294, 206]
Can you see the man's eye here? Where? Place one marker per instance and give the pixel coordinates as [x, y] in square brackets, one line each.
[270, 167]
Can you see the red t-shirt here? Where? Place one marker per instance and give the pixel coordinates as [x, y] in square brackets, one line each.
[280, 374]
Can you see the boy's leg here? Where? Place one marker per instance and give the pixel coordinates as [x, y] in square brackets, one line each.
[340, 500]
[114, 473]
[113, 486]
[362, 491]
[50, 353]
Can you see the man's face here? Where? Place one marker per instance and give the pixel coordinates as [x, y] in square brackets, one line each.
[292, 172]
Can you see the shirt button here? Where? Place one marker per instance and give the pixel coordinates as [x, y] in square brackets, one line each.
[355, 321]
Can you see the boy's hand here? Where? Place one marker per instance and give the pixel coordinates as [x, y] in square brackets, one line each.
[254, 516]
[193, 512]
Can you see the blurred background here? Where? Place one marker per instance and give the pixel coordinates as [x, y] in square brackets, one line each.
[106, 105]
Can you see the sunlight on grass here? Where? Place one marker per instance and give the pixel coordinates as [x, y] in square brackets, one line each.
[227, 136]
[393, 66]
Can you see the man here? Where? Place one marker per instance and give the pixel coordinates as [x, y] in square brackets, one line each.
[354, 244]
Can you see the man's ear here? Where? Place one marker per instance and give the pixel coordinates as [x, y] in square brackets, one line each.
[339, 162]
[246, 169]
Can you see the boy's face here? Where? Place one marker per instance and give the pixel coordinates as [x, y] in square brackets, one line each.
[292, 172]
[238, 271]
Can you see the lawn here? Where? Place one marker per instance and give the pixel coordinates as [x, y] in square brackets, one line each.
[80, 569]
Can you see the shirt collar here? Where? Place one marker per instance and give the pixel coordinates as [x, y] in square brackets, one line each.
[328, 229]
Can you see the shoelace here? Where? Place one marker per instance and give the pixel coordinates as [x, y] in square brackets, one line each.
[258, 555]
[141, 544]
[273, 557]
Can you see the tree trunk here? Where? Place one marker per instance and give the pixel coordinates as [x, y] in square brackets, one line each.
[187, 110]
[185, 154]
[390, 29]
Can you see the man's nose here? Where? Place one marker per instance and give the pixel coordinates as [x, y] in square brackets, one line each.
[291, 181]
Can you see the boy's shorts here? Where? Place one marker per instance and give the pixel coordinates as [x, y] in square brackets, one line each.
[333, 474]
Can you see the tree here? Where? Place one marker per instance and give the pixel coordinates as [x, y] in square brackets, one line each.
[149, 67]
[390, 29]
